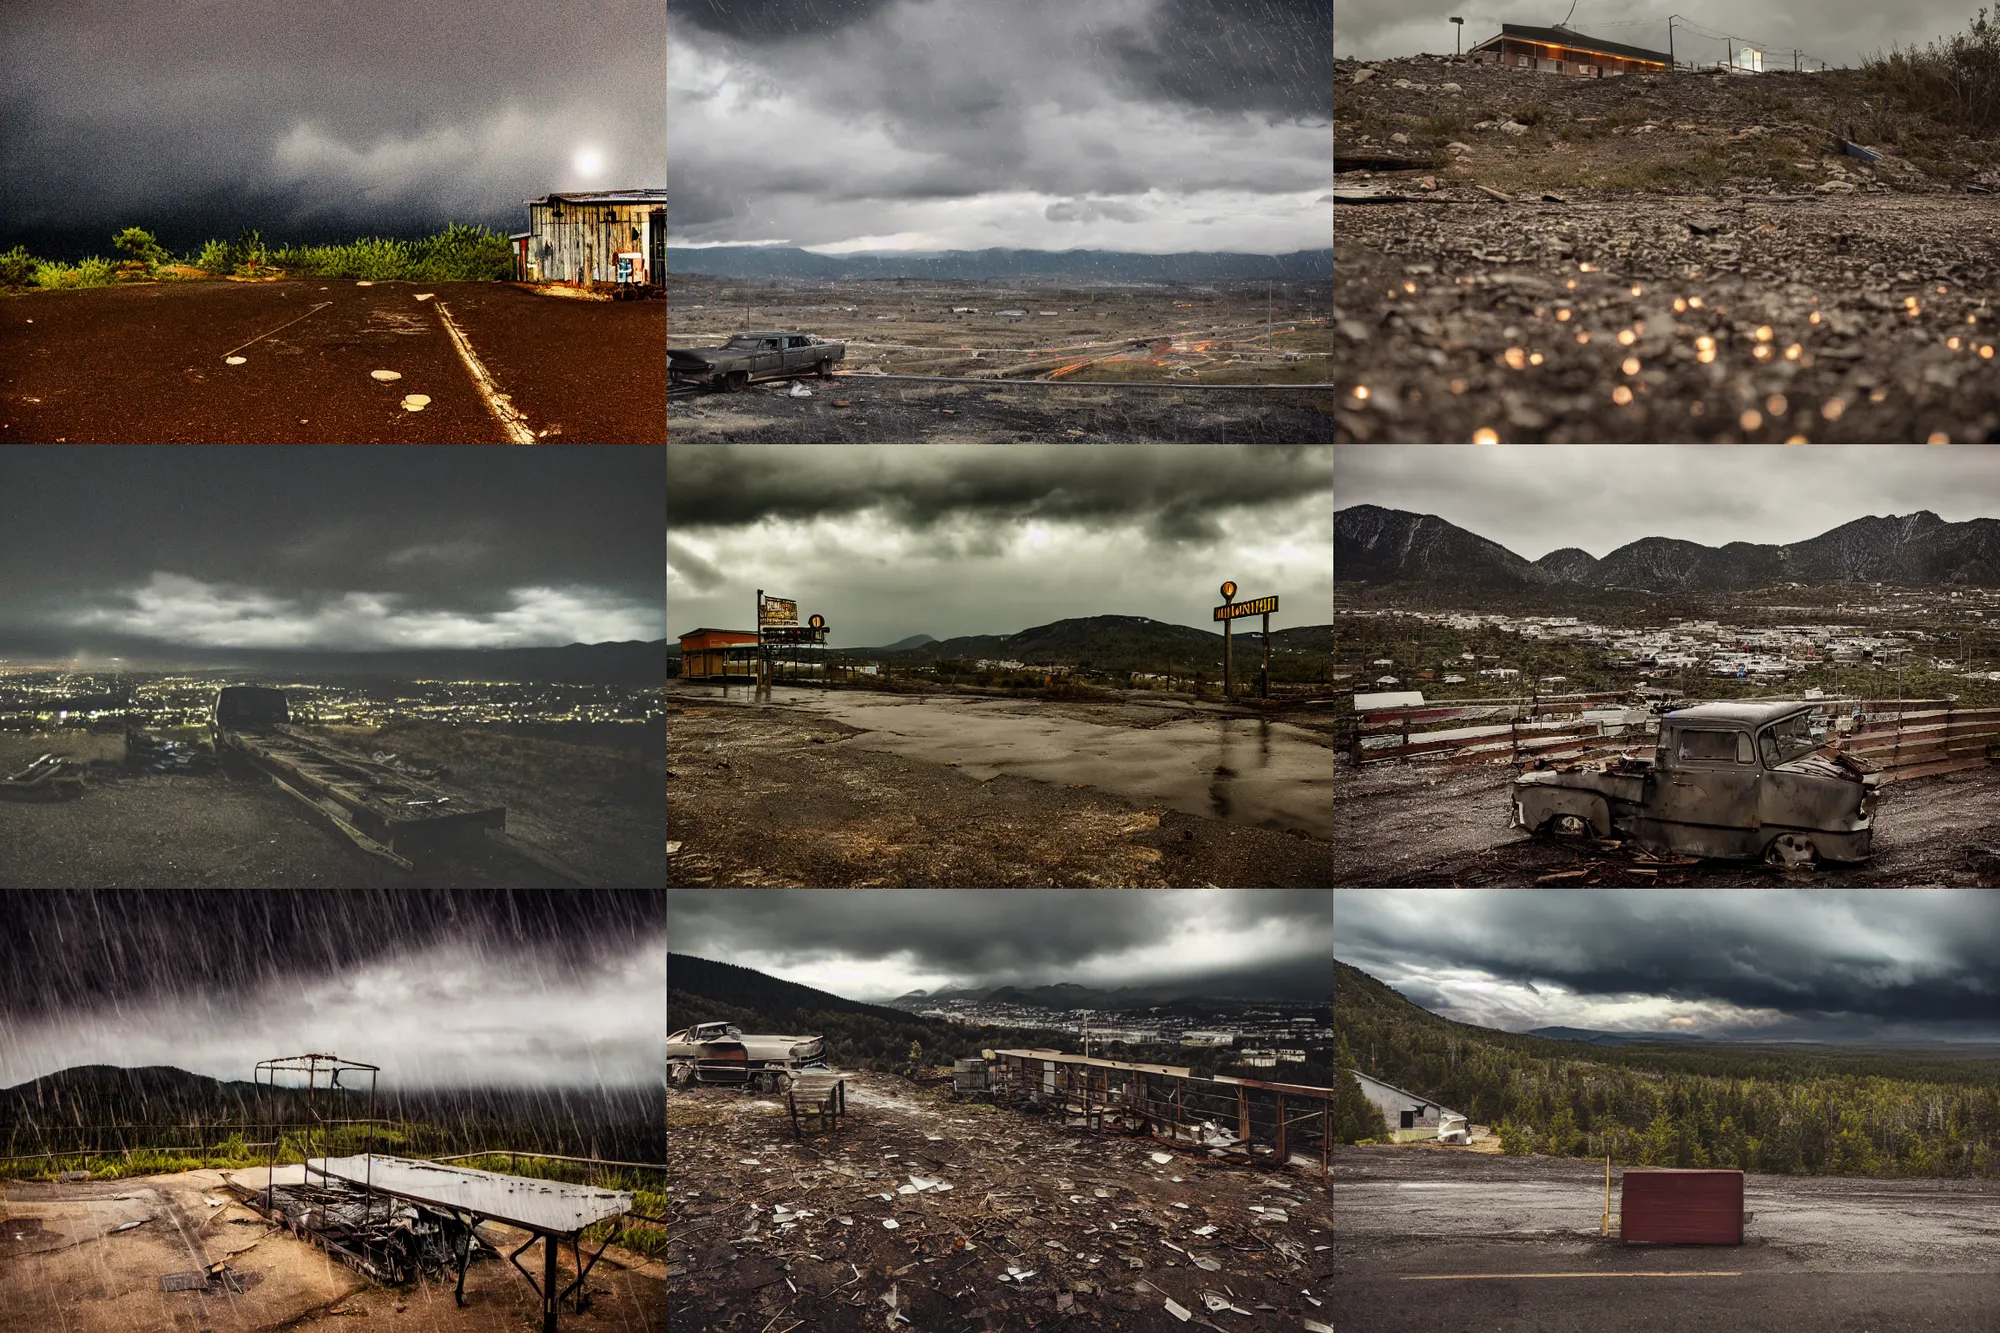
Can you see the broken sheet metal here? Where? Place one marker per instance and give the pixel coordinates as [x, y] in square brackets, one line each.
[550, 1206]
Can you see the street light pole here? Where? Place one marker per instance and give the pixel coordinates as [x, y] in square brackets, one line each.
[1458, 40]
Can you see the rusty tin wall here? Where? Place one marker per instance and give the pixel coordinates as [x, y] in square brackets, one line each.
[1671, 1207]
[587, 239]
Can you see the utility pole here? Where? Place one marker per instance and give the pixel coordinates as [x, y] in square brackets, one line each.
[1729, 45]
[1670, 43]
[1268, 340]
[1458, 42]
[1795, 60]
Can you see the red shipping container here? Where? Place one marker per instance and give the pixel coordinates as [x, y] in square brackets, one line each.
[1668, 1207]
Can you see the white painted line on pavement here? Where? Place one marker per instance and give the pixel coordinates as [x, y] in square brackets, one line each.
[1468, 1277]
[317, 307]
[502, 407]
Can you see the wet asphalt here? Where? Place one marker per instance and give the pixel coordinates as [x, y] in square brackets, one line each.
[1245, 770]
[145, 364]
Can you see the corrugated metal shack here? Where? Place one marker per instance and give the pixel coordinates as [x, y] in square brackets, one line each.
[1269, 1120]
[596, 236]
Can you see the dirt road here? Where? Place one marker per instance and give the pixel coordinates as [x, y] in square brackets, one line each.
[957, 792]
[145, 363]
[1433, 825]
[1432, 1239]
[768, 1226]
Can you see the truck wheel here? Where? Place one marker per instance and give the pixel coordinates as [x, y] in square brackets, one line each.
[825, 369]
[1791, 851]
[736, 381]
[1569, 826]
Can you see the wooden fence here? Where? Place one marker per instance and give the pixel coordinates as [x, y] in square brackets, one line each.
[1908, 738]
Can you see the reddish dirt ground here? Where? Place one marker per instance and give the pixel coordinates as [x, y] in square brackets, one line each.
[144, 364]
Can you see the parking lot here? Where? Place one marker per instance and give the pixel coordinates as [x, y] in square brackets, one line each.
[147, 363]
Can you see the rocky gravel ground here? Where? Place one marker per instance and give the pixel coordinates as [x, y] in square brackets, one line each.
[1727, 278]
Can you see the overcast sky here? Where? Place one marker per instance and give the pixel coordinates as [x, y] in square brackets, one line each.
[439, 988]
[1536, 498]
[887, 541]
[876, 944]
[337, 546]
[1840, 32]
[1808, 964]
[1143, 125]
[195, 117]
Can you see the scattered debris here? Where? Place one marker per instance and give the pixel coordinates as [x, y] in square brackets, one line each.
[1163, 1157]
[1216, 1302]
[386, 375]
[1178, 1311]
[127, 1226]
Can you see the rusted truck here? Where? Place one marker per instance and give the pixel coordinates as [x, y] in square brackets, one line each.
[721, 1053]
[1728, 780]
[754, 356]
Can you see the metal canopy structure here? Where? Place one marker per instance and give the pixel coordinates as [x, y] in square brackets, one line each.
[552, 1211]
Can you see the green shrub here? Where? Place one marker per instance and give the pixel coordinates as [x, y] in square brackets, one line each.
[142, 247]
[213, 257]
[17, 267]
[1531, 114]
[91, 272]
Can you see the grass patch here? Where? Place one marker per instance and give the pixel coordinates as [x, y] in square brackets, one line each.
[458, 254]
[1530, 113]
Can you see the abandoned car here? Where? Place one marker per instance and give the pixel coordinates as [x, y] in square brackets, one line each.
[752, 356]
[1735, 780]
[721, 1053]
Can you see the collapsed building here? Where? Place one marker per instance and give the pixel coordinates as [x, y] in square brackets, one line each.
[595, 237]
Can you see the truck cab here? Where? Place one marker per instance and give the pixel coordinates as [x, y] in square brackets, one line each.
[1735, 780]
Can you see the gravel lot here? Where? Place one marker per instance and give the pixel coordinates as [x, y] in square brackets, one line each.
[1435, 825]
[144, 363]
[1712, 268]
[887, 409]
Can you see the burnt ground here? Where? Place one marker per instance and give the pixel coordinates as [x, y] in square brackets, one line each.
[143, 363]
[777, 800]
[1698, 218]
[595, 808]
[61, 1269]
[1107, 1233]
[888, 409]
[162, 830]
[1433, 825]
[1451, 1239]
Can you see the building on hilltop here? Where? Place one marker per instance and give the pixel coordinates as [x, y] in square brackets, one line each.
[1561, 50]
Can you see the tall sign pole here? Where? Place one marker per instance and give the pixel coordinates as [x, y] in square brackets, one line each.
[1228, 659]
[1265, 690]
[1229, 611]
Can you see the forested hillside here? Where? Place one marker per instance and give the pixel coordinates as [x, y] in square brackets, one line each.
[1819, 1110]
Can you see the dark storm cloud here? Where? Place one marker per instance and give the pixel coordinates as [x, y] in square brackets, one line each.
[438, 987]
[1174, 489]
[926, 124]
[199, 115]
[1794, 963]
[336, 546]
[1088, 936]
[1533, 499]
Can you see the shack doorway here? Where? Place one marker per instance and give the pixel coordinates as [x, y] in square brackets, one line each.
[656, 230]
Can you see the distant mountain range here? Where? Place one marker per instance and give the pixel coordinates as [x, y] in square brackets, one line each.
[1598, 1038]
[1385, 546]
[773, 261]
[899, 646]
[1114, 643]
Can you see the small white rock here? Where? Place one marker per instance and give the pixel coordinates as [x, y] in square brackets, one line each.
[235, 360]
[386, 375]
[1399, 138]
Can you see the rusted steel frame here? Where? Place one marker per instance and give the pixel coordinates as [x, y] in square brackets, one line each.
[1243, 1114]
[1280, 1130]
